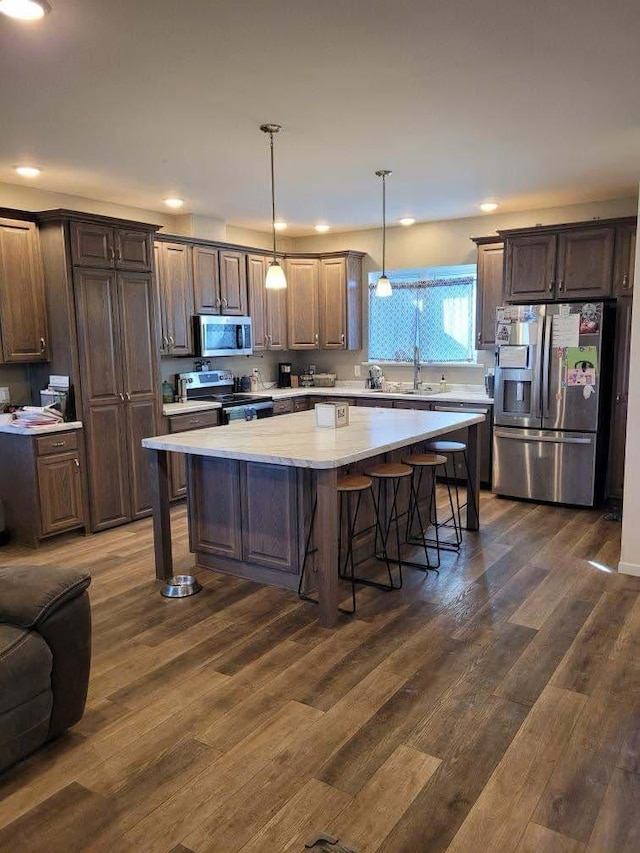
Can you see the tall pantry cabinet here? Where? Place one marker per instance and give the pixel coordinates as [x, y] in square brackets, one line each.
[103, 305]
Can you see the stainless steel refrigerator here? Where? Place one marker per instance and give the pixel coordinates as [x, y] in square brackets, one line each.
[548, 402]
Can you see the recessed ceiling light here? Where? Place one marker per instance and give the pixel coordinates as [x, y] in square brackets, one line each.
[322, 228]
[27, 171]
[280, 226]
[24, 10]
[489, 206]
[174, 202]
[407, 220]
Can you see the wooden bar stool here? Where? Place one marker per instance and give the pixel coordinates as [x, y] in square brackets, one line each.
[394, 473]
[347, 486]
[421, 462]
[451, 449]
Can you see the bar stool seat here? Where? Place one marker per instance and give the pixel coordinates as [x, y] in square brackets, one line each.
[389, 470]
[425, 460]
[354, 483]
[446, 446]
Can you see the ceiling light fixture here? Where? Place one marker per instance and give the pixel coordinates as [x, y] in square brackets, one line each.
[489, 206]
[407, 220]
[322, 228]
[174, 202]
[275, 278]
[280, 226]
[383, 287]
[27, 171]
[24, 10]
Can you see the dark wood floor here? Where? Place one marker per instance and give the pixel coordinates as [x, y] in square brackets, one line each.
[495, 707]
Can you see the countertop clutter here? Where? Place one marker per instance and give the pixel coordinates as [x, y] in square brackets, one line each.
[40, 430]
[455, 394]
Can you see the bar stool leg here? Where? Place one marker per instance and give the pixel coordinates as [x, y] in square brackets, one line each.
[414, 509]
[385, 556]
[468, 473]
[307, 551]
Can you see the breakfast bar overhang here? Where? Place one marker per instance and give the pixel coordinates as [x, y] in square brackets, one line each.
[261, 473]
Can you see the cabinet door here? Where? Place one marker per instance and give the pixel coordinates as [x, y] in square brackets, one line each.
[615, 475]
[60, 492]
[333, 304]
[270, 516]
[105, 432]
[302, 304]
[92, 245]
[256, 271]
[139, 347]
[140, 423]
[133, 249]
[158, 279]
[206, 280]
[277, 319]
[97, 316]
[233, 282]
[177, 476]
[585, 263]
[489, 292]
[176, 289]
[625, 261]
[214, 506]
[530, 267]
[23, 314]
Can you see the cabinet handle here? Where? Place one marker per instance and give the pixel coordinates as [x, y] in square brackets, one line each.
[342, 339]
[76, 463]
[112, 252]
[225, 304]
[195, 421]
[218, 302]
[266, 341]
[171, 341]
[43, 345]
[121, 395]
[479, 337]
[165, 340]
[62, 443]
[561, 285]
[550, 288]
[625, 281]
[128, 396]
[316, 339]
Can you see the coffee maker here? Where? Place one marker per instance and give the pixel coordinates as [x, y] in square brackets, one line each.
[284, 374]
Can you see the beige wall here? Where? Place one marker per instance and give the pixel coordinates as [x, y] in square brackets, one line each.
[630, 555]
[258, 239]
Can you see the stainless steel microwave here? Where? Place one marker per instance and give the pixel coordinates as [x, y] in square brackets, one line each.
[218, 335]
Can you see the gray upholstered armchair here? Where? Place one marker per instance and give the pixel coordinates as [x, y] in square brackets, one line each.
[45, 655]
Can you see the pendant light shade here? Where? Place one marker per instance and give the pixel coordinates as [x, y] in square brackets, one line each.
[275, 278]
[383, 287]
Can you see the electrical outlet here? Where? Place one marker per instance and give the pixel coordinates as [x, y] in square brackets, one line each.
[356, 370]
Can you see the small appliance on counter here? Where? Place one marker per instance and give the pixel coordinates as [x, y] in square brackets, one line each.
[58, 394]
[324, 380]
[284, 374]
[306, 380]
[489, 382]
[376, 377]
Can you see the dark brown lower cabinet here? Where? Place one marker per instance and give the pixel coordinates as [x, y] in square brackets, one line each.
[108, 465]
[177, 461]
[269, 527]
[214, 507]
[141, 423]
[618, 429]
[42, 484]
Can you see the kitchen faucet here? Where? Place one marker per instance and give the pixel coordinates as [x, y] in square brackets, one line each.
[416, 367]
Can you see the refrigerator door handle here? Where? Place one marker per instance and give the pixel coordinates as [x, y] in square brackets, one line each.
[547, 438]
[546, 365]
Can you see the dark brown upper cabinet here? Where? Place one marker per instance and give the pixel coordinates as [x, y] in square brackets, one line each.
[97, 245]
[625, 260]
[267, 308]
[585, 263]
[583, 260]
[23, 312]
[530, 267]
[233, 282]
[302, 302]
[206, 280]
[489, 290]
[175, 288]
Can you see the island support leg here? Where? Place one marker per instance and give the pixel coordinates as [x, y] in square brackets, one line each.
[161, 515]
[326, 535]
[473, 482]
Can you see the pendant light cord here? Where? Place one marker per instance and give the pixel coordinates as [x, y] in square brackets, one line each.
[384, 222]
[273, 199]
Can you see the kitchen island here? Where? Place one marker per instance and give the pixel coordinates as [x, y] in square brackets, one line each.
[252, 486]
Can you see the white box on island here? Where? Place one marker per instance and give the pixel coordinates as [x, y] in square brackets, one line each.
[332, 415]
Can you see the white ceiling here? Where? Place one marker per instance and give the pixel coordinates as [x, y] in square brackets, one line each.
[129, 101]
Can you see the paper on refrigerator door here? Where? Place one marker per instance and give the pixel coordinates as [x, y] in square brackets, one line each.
[565, 331]
[513, 356]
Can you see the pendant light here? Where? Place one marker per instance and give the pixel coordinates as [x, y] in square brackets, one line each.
[275, 279]
[383, 287]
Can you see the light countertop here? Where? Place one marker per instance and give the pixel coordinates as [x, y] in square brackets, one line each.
[40, 430]
[296, 441]
[458, 394]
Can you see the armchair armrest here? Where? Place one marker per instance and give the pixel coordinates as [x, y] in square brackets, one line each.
[31, 594]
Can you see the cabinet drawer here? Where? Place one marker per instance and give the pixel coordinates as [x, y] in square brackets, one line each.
[282, 407]
[195, 420]
[57, 442]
